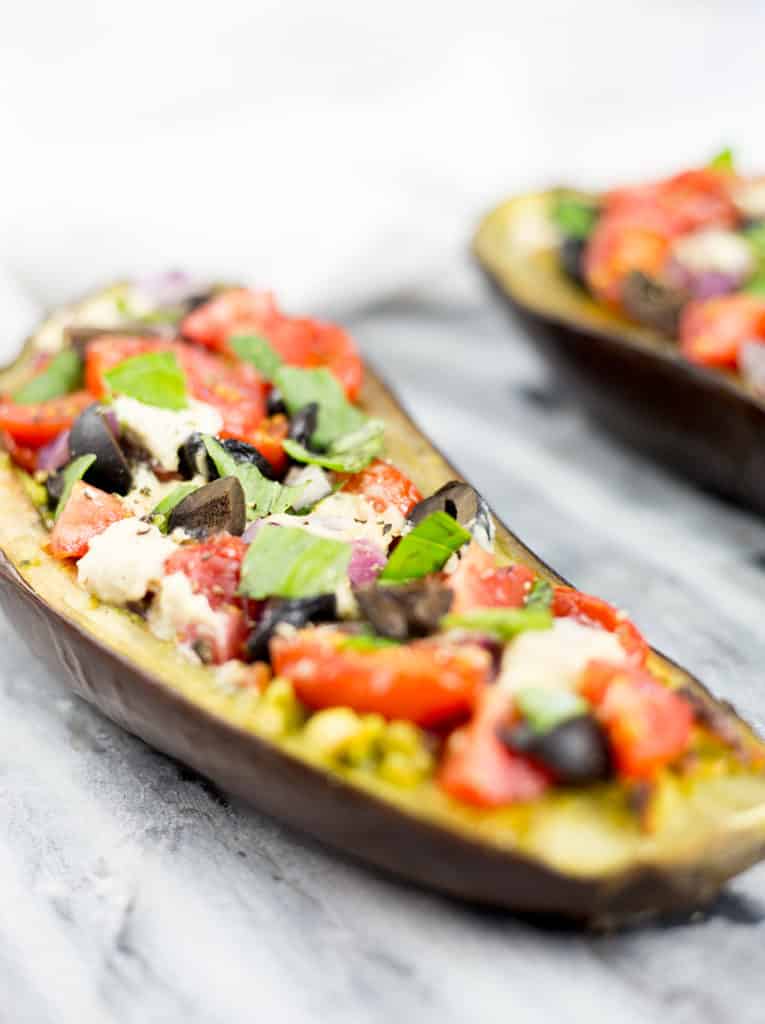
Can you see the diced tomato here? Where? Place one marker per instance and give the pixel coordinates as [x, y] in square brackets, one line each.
[109, 350]
[32, 426]
[256, 676]
[222, 643]
[21, 454]
[268, 438]
[479, 769]
[712, 331]
[382, 485]
[87, 513]
[689, 201]
[478, 582]
[299, 341]
[424, 682]
[590, 610]
[213, 567]
[647, 724]
[236, 389]
[620, 244]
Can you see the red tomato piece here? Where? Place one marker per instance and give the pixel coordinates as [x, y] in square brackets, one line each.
[213, 566]
[688, 201]
[236, 389]
[712, 331]
[620, 244]
[235, 311]
[478, 582]
[268, 438]
[383, 485]
[21, 454]
[224, 642]
[424, 682]
[594, 611]
[32, 426]
[479, 769]
[87, 513]
[647, 724]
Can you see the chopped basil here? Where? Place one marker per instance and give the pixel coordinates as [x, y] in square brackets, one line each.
[756, 284]
[575, 217]
[540, 595]
[154, 378]
[427, 548]
[284, 561]
[161, 512]
[62, 375]
[546, 707]
[367, 642]
[348, 454]
[337, 417]
[75, 471]
[504, 623]
[256, 350]
[263, 497]
[723, 161]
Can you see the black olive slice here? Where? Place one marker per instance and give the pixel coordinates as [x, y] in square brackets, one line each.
[193, 459]
[576, 752]
[462, 502]
[406, 611]
[572, 252]
[214, 508]
[275, 403]
[91, 434]
[295, 612]
[653, 303]
[303, 424]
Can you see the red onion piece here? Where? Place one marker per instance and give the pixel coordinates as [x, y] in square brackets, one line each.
[55, 453]
[702, 284]
[171, 288]
[366, 563]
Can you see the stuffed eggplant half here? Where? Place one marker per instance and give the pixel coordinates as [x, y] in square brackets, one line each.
[234, 542]
[650, 303]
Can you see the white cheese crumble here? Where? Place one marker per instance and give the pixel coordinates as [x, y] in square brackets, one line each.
[314, 481]
[147, 490]
[749, 198]
[162, 431]
[556, 658]
[125, 561]
[715, 249]
[176, 607]
[348, 517]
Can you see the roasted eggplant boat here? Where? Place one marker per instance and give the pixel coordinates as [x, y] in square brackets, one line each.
[236, 544]
[649, 302]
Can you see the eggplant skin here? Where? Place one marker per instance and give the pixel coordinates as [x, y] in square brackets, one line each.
[706, 424]
[111, 660]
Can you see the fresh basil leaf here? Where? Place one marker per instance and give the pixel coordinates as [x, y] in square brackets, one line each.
[426, 549]
[723, 161]
[504, 623]
[161, 512]
[263, 497]
[154, 378]
[62, 375]
[367, 642]
[575, 217]
[348, 454]
[75, 471]
[284, 561]
[546, 707]
[337, 416]
[755, 235]
[256, 350]
[756, 284]
[540, 595]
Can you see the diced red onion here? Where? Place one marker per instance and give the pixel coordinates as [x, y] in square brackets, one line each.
[170, 288]
[366, 563]
[751, 363]
[703, 284]
[55, 453]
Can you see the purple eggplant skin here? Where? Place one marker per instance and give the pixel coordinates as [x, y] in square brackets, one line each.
[708, 425]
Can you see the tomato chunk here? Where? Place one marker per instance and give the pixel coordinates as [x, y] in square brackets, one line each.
[647, 724]
[221, 643]
[268, 437]
[22, 455]
[593, 610]
[213, 567]
[32, 426]
[87, 513]
[621, 244]
[478, 582]
[712, 331]
[687, 201]
[479, 769]
[383, 485]
[424, 682]
[236, 389]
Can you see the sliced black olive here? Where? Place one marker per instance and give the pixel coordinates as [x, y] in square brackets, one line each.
[91, 434]
[403, 612]
[213, 508]
[296, 612]
[576, 752]
[462, 502]
[653, 303]
[303, 424]
[572, 253]
[275, 403]
[197, 299]
[193, 459]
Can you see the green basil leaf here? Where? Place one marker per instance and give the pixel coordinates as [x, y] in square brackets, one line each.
[545, 707]
[284, 561]
[367, 642]
[723, 161]
[504, 623]
[62, 375]
[263, 497]
[251, 348]
[75, 471]
[426, 549]
[161, 512]
[575, 217]
[756, 285]
[155, 378]
[540, 595]
[348, 454]
[337, 416]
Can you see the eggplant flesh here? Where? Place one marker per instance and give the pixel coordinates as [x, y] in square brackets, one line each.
[707, 424]
[578, 853]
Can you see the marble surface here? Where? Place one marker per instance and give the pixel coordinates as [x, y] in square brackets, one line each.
[343, 158]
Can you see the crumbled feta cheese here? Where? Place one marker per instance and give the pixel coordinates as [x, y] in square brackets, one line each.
[314, 481]
[715, 249]
[162, 431]
[348, 517]
[347, 606]
[176, 607]
[124, 561]
[749, 198]
[556, 657]
[147, 490]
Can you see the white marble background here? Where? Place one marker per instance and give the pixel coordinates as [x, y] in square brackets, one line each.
[340, 153]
